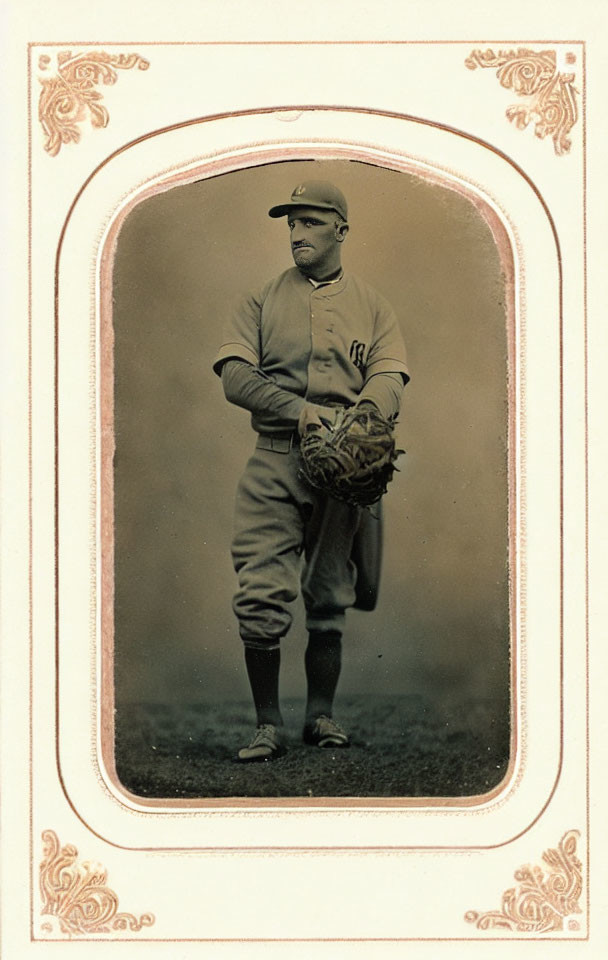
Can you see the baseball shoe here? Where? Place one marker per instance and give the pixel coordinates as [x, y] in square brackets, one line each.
[325, 732]
[266, 745]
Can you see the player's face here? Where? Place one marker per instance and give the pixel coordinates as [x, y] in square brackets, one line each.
[316, 238]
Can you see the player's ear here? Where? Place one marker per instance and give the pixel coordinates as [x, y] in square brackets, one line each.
[341, 231]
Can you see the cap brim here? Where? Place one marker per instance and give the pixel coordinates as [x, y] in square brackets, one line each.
[284, 208]
[281, 210]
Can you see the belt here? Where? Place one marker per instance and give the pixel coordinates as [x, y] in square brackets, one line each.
[279, 442]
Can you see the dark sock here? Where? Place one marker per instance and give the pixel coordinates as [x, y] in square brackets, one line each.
[323, 661]
[263, 671]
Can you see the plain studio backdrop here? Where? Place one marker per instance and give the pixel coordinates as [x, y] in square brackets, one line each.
[441, 627]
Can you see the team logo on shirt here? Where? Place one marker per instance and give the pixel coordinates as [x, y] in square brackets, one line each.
[357, 352]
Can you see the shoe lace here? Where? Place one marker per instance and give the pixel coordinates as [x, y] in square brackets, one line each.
[327, 726]
[265, 736]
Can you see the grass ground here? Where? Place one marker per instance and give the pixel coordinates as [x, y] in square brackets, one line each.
[400, 747]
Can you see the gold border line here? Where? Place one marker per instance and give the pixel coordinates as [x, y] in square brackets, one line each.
[275, 153]
[30, 509]
[563, 41]
[586, 484]
[308, 108]
[586, 432]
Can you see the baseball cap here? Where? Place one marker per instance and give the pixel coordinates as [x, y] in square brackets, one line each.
[313, 193]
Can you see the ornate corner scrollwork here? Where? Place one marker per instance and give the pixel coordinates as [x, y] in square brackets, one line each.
[76, 893]
[552, 104]
[543, 899]
[66, 98]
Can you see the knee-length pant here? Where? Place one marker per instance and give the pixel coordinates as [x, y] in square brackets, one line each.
[288, 536]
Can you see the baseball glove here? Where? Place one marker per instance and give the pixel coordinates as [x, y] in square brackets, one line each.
[353, 458]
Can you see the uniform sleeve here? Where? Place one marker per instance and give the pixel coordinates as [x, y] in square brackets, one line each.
[387, 352]
[384, 390]
[251, 388]
[241, 336]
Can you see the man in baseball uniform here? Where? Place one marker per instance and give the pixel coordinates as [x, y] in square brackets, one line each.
[313, 339]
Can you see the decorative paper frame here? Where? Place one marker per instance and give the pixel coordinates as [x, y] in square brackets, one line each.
[439, 873]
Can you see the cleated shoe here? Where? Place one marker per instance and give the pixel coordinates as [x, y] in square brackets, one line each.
[266, 745]
[325, 732]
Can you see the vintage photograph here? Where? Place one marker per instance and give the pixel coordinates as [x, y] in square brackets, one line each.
[311, 488]
[303, 550]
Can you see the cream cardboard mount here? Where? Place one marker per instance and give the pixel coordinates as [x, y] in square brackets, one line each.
[506, 130]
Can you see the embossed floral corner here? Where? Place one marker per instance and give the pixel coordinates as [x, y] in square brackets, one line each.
[76, 896]
[551, 95]
[71, 95]
[543, 899]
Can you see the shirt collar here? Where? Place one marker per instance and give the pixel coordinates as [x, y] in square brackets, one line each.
[324, 283]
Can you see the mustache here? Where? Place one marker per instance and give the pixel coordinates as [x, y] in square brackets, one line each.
[300, 243]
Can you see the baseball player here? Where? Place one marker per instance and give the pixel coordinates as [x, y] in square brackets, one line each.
[311, 340]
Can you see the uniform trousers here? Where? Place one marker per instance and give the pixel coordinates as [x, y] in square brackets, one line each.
[288, 536]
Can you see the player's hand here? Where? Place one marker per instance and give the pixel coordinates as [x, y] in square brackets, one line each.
[314, 416]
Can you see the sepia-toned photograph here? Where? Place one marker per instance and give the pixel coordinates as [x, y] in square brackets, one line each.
[311, 488]
[300, 519]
